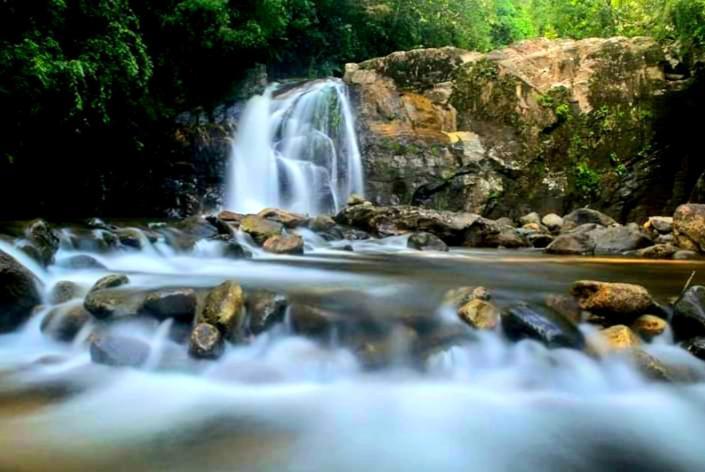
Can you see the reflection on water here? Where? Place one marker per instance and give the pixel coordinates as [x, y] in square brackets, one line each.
[284, 402]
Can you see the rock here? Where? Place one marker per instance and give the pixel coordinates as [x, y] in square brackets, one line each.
[264, 309]
[321, 223]
[689, 227]
[665, 239]
[311, 321]
[224, 309]
[426, 242]
[649, 326]
[260, 229]
[235, 250]
[64, 291]
[81, 262]
[618, 239]
[583, 216]
[119, 351]
[553, 222]
[565, 306]
[696, 347]
[660, 224]
[654, 369]
[532, 218]
[18, 293]
[63, 324]
[286, 218]
[533, 228]
[487, 233]
[572, 244]
[686, 256]
[505, 221]
[616, 338]
[44, 240]
[284, 244]
[460, 296]
[688, 319]
[112, 304]
[658, 251]
[130, 237]
[539, 240]
[522, 321]
[356, 199]
[224, 229]
[230, 216]
[206, 342]
[178, 303]
[110, 281]
[613, 300]
[479, 314]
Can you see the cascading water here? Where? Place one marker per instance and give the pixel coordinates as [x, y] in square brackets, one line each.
[295, 150]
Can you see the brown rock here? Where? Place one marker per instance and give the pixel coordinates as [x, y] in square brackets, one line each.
[565, 306]
[649, 326]
[206, 342]
[612, 299]
[230, 216]
[617, 338]
[284, 244]
[288, 219]
[658, 251]
[223, 308]
[689, 227]
[260, 228]
[479, 314]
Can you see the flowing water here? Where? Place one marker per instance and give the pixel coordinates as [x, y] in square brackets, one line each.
[283, 402]
[295, 149]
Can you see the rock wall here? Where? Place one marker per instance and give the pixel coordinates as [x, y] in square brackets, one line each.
[542, 125]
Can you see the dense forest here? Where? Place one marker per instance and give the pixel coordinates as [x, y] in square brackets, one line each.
[94, 83]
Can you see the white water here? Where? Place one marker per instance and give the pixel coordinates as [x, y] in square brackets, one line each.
[297, 151]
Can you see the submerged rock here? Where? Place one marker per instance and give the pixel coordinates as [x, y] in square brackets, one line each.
[688, 319]
[264, 309]
[63, 324]
[119, 351]
[178, 303]
[206, 342]
[81, 262]
[689, 227]
[479, 314]
[426, 242]
[18, 293]
[614, 300]
[522, 322]
[224, 309]
[260, 228]
[284, 244]
[64, 291]
[110, 281]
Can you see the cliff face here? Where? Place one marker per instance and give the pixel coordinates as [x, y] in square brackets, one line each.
[542, 125]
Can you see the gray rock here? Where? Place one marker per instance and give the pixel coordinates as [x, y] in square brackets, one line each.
[63, 324]
[264, 309]
[64, 291]
[112, 304]
[661, 224]
[684, 255]
[553, 330]
[110, 281]
[178, 303]
[119, 351]
[619, 239]
[206, 342]
[44, 240]
[531, 218]
[426, 242]
[224, 309]
[583, 216]
[688, 319]
[576, 243]
[553, 222]
[81, 262]
[18, 293]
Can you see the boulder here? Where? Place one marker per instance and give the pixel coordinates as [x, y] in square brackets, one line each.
[426, 242]
[18, 293]
[224, 309]
[130, 237]
[178, 303]
[284, 244]
[260, 228]
[63, 324]
[532, 218]
[224, 229]
[572, 244]
[482, 232]
[44, 241]
[583, 216]
[649, 326]
[111, 304]
[230, 216]
[81, 262]
[553, 330]
[660, 224]
[64, 291]
[264, 309]
[312, 321]
[479, 314]
[553, 222]
[688, 319]
[235, 250]
[658, 251]
[286, 218]
[623, 302]
[356, 199]
[689, 227]
[110, 281]
[618, 239]
[321, 223]
[206, 342]
[119, 351]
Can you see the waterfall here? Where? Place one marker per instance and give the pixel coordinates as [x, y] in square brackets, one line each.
[295, 149]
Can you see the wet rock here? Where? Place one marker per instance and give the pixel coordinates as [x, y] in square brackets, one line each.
[658, 251]
[616, 338]
[654, 369]
[539, 240]
[224, 309]
[18, 293]
[572, 244]
[614, 300]
[260, 229]
[110, 281]
[63, 324]
[618, 239]
[480, 314]
[696, 347]
[352, 234]
[112, 304]
[81, 262]
[264, 309]
[206, 342]
[356, 199]
[585, 216]
[426, 242]
[665, 239]
[312, 321]
[284, 244]
[119, 351]
[178, 303]
[460, 296]
[505, 221]
[321, 223]
[532, 218]
[130, 237]
[64, 291]
[43, 240]
[565, 306]
[224, 229]
[235, 250]
[230, 216]
[483, 232]
[660, 224]
[649, 326]
[689, 227]
[553, 222]
[392, 349]
[286, 218]
[686, 256]
[522, 322]
[688, 319]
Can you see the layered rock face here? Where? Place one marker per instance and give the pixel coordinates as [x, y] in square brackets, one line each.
[542, 125]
